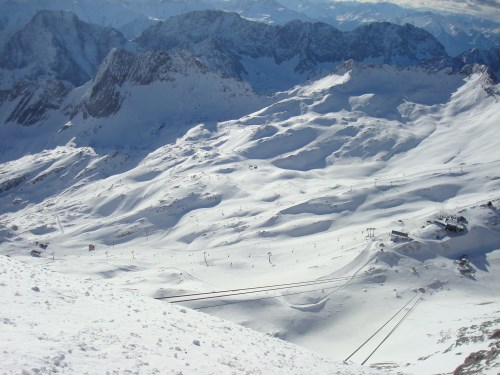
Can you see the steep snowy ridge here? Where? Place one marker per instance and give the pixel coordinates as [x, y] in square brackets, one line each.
[468, 62]
[489, 58]
[122, 67]
[58, 45]
[245, 45]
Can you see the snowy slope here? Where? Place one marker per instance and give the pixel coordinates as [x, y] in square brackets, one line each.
[285, 195]
[54, 324]
[156, 86]
[146, 99]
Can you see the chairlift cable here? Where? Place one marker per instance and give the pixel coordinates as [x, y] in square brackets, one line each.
[266, 287]
[395, 327]
[251, 290]
[335, 288]
[382, 327]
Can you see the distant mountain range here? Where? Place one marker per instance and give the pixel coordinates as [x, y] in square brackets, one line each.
[457, 32]
[56, 44]
[44, 60]
[248, 50]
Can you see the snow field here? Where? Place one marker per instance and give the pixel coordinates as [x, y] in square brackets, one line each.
[57, 324]
[287, 194]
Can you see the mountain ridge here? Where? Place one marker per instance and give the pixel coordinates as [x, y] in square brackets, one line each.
[224, 41]
[56, 44]
[268, 57]
[367, 186]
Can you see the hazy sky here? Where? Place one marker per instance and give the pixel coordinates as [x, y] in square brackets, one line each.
[488, 8]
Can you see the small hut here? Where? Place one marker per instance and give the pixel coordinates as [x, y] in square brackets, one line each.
[398, 236]
[454, 225]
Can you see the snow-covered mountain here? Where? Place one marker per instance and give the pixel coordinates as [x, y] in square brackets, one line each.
[107, 13]
[180, 76]
[277, 57]
[145, 98]
[489, 58]
[484, 60]
[153, 95]
[29, 102]
[270, 11]
[457, 32]
[132, 17]
[286, 194]
[360, 202]
[58, 46]
[55, 44]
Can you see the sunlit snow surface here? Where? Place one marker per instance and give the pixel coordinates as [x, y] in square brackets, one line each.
[54, 324]
[282, 195]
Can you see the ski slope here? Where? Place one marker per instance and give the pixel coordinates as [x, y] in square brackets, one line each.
[55, 324]
[307, 188]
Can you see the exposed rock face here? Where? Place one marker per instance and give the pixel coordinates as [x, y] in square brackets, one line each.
[30, 102]
[58, 45]
[226, 42]
[181, 77]
[120, 67]
[483, 60]
[479, 362]
[489, 58]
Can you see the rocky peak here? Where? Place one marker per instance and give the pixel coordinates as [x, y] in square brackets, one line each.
[486, 62]
[121, 68]
[104, 97]
[31, 101]
[489, 58]
[225, 40]
[394, 44]
[58, 45]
